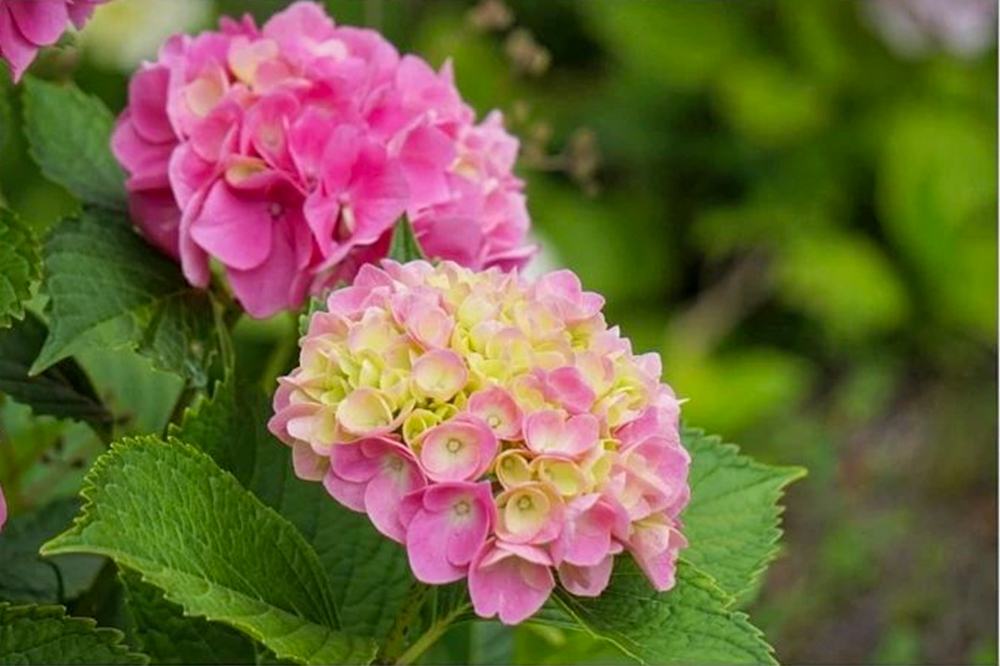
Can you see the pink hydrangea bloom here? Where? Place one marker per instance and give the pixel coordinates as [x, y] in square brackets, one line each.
[496, 428]
[28, 25]
[288, 152]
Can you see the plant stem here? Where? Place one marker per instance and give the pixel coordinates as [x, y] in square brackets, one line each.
[405, 618]
[428, 638]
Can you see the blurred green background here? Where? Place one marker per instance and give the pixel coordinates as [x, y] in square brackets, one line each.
[795, 204]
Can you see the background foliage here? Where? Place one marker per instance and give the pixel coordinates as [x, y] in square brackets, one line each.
[801, 221]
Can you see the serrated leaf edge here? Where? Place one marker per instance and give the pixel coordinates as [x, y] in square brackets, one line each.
[53, 547]
[791, 474]
[47, 611]
[712, 587]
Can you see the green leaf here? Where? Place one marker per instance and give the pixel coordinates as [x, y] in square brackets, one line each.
[29, 578]
[69, 134]
[404, 246]
[20, 266]
[42, 458]
[370, 573]
[109, 288]
[689, 624]
[63, 390]
[168, 512]
[170, 637]
[140, 397]
[45, 635]
[228, 426]
[732, 520]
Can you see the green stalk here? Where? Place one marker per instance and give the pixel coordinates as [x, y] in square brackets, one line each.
[428, 638]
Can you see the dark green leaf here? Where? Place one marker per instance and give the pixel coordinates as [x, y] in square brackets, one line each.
[109, 288]
[62, 390]
[70, 133]
[370, 573]
[168, 512]
[20, 266]
[169, 636]
[29, 578]
[45, 635]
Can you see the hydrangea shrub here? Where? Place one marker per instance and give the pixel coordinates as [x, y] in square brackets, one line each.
[454, 443]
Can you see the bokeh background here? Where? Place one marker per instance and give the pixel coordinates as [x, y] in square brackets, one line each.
[794, 202]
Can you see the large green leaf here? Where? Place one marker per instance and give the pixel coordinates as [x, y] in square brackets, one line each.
[109, 288]
[170, 637]
[690, 624]
[44, 635]
[20, 266]
[228, 425]
[168, 512]
[69, 133]
[29, 578]
[370, 573]
[732, 520]
[62, 390]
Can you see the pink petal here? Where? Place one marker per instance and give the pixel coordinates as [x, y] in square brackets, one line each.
[458, 450]
[587, 581]
[378, 192]
[425, 156]
[14, 47]
[497, 408]
[451, 235]
[235, 226]
[448, 530]
[81, 10]
[349, 493]
[307, 464]
[427, 546]
[385, 492]
[548, 431]
[504, 584]
[158, 218]
[586, 536]
[147, 93]
[655, 545]
[39, 21]
[141, 158]
[567, 387]
[278, 283]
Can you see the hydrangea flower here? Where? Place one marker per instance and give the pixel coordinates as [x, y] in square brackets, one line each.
[288, 152]
[28, 25]
[495, 427]
[3, 509]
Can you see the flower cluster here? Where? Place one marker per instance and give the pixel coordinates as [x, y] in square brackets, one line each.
[28, 25]
[497, 428]
[288, 152]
